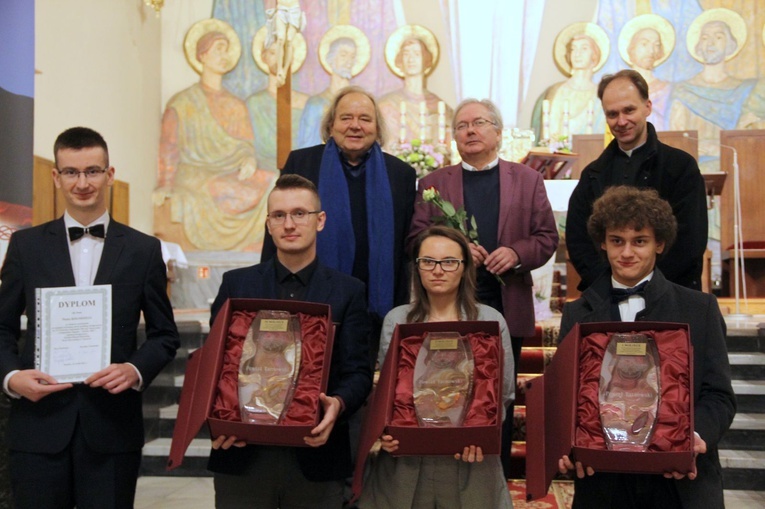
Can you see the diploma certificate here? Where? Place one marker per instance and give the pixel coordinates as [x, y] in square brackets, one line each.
[74, 331]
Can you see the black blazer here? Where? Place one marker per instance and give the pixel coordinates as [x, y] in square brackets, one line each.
[306, 162]
[132, 263]
[350, 376]
[714, 402]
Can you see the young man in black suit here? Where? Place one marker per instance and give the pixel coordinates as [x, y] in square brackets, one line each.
[634, 227]
[269, 477]
[80, 445]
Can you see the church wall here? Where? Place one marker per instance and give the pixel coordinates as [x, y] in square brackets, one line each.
[98, 66]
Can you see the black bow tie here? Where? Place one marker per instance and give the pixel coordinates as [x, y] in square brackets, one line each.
[620, 294]
[97, 230]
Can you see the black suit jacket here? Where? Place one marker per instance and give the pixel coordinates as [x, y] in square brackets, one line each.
[714, 402]
[306, 162]
[132, 263]
[350, 376]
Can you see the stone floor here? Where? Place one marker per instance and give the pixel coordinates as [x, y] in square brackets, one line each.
[197, 493]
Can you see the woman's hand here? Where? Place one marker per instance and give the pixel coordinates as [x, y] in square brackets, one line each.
[471, 454]
[388, 444]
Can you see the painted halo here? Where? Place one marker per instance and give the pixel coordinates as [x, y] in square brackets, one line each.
[734, 21]
[661, 25]
[590, 29]
[199, 29]
[363, 49]
[403, 33]
[299, 50]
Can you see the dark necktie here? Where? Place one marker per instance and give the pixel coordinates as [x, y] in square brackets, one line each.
[620, 294]
[97, 230]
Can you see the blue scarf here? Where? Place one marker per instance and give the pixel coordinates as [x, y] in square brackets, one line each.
[336, 244]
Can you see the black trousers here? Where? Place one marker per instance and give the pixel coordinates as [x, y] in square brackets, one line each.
[76, 476]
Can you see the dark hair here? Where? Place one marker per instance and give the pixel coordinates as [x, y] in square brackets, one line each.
[329, 116]
[292, 181]
[631, 207]
[466, 300]
[427, 56]
[635, 77]
[78, 138]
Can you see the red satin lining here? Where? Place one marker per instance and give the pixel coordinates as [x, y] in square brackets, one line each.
[305, 400]
[673, 423]
[486, 381]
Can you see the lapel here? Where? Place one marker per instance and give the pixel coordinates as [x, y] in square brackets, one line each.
[267, 280]
[56, 252]
[454, 192]
[113, 246]
[509, 192]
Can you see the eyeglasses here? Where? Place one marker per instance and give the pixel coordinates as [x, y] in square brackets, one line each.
[447, 264]
[90, 173]
[477, 123]
[298, 216]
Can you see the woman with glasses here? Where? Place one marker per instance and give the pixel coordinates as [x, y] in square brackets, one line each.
[443, 289]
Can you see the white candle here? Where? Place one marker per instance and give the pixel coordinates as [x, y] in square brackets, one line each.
[441, 108]
[402, 108]
[545, 120]
[423, 108]
[423, 126]
[590, 116]
[441, 122]
[402, 123]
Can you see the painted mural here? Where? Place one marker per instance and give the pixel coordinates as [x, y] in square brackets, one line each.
[704, 61]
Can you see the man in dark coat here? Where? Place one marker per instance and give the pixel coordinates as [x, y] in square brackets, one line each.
[305, 477]
[80, 444]
[637, 158]
[634, 227]
[368, 197]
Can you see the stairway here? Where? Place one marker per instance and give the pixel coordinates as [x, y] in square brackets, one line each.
[742, 451]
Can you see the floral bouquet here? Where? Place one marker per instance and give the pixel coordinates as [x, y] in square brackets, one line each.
[454, 218]
[557, 143]
[423, 157]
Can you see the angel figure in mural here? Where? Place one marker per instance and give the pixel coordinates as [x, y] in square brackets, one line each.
[412, 53]
[344, 51]
[284, 23]
[209, 193]
[262, 104]
[579, 51]
[645, 43]
[712, 100]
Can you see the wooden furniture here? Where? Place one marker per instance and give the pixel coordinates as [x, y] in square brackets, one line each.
[750, 146]
[553, 165]
[48, 202]
[590, 146]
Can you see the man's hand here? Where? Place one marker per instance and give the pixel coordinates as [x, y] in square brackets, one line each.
[34, 385]
[471, 454]
[479, 253]
[501, 260]
[224, 442]
[388, 444]
[115, 378]
[320, 433]
[565, 465]
[699, 447]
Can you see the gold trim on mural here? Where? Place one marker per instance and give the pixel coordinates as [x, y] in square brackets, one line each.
[661, 25]
[299, 50]
[200, 28]
[734, 21]
[590, 29]
[404, 33]
[363, 49]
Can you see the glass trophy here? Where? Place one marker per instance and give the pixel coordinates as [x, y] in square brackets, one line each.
[629, 391]
[269, 366]
[443, 380]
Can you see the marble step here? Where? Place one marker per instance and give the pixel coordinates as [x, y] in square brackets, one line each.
[747, 365]
[749, 387]
[747, 432]
[744, 499]
[743, 470]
